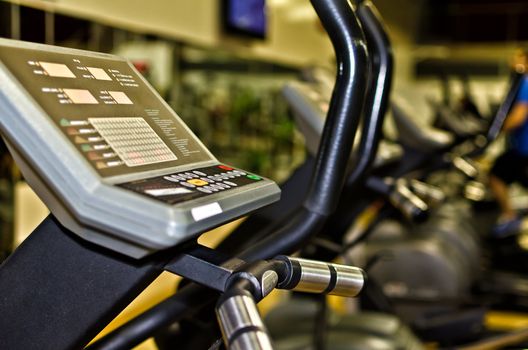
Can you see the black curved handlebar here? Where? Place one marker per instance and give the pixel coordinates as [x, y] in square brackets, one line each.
[346, 104]
[504, 109]
[377, 100]
[347, 37]
[344, 113]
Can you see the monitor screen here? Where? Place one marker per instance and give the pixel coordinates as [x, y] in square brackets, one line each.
[245, 17]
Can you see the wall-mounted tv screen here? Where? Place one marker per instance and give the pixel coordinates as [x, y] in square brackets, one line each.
[245, 17]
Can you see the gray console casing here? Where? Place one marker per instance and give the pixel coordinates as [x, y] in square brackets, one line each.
[93, 206]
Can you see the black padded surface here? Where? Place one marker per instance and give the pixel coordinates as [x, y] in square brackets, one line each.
[57, 292]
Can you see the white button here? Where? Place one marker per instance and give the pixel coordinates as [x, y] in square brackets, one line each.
[167, 191]
[171, 179]
[201, 189]
[230, 183]
[199, 173]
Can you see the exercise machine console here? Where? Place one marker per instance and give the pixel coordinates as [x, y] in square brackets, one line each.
[112, 161]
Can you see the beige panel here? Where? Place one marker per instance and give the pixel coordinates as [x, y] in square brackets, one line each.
[294, 35]
[195, 20]
[29, 212]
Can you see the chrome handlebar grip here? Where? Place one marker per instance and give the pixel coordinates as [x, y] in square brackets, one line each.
[320, 277]
[241, 325]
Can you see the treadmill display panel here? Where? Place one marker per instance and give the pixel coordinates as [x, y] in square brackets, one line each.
[105, 110]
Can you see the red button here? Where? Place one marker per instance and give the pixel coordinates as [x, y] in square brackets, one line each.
[225, 167]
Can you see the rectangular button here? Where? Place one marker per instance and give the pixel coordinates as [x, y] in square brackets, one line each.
[167, 191]
[197, 182]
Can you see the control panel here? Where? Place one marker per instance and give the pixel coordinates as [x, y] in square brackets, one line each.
[105, 110]
[113, 162]
[184, 186]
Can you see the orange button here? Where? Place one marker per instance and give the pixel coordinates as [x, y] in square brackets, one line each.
[198, 182]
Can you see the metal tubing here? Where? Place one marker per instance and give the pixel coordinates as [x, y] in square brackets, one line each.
[241, 325]
[432, 195]
[341, 124]
[378, 93]
[380, 51]
[350, 280]
[256, 340]
[288, 238]
[344, 114]
[380, 185]
[344, 29]
[188, 300]
[400, 196]
[504, 109]
[466, 167]
[313, 276]
[409, 204]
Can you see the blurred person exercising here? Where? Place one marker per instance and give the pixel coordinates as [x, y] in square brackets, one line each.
[512, 165]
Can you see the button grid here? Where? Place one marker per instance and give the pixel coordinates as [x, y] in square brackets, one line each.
[134, 140]
[193, 184]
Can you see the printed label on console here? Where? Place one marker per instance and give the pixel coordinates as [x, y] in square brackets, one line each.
[206, 211]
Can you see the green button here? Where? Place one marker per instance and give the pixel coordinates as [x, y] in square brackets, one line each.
[254, 177]
[86, 148]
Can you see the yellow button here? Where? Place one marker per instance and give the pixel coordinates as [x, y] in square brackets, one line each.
[198, 182]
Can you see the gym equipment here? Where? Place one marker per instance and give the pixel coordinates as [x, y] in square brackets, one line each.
[302, 221]
[444, 253]
[446, 249]
[292, 323]
[143, 192]
[464, 118]
[292, 327]
[309, 103]
[108, 156]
